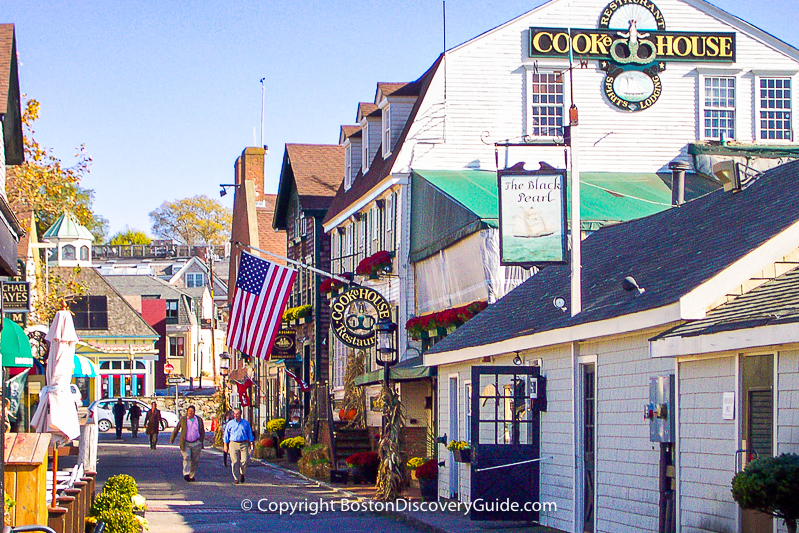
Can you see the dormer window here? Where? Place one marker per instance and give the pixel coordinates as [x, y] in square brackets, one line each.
[386, 131]
[68, 252]
[365, 148]
[196, 279]
[347, 167]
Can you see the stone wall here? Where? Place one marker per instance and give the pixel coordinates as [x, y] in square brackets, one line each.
[204, 405]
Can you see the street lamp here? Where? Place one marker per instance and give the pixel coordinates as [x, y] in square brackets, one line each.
[224, 370]
[386, 355]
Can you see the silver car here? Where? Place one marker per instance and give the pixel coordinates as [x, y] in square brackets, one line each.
[103, 413]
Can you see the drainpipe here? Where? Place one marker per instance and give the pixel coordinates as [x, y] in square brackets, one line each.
[678, 169]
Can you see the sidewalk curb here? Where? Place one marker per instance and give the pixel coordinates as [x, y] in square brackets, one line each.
[398, 515]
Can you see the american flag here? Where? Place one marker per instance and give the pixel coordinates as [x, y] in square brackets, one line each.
[262, 289]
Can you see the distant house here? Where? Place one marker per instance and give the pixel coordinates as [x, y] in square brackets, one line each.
[188, 347]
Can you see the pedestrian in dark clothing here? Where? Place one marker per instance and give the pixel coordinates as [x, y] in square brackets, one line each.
[119, 416]
[152, 425]
[135, 415]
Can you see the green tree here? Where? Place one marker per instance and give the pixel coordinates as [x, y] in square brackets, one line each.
[130, 236]
[770, 485]
[46, 187]
[195, 220]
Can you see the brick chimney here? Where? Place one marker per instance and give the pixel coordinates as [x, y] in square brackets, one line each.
[250, 167]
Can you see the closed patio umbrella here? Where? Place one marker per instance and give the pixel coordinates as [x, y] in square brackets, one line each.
[56, 412]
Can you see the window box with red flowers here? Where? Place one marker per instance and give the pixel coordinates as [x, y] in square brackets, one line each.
[333, 287]
[375, 264]
[443, 322]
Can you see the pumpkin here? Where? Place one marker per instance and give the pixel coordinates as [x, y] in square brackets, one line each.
[347, 415]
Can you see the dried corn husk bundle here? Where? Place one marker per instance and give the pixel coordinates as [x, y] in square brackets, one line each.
[391, 473]
[353, 395]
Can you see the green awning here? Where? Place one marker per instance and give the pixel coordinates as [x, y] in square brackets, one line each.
[768, 151]
[448, 205]
[408, 370]
[15, 346]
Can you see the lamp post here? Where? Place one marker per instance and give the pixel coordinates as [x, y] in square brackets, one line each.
[224, 370]
[386, 332]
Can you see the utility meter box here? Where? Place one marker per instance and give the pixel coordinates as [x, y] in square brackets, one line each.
[660, 410]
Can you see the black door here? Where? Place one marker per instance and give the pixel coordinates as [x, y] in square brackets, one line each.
[505, 442]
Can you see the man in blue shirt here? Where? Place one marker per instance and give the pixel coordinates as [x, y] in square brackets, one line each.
[238, 439]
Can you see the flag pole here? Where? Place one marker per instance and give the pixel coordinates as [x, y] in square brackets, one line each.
[296, 263]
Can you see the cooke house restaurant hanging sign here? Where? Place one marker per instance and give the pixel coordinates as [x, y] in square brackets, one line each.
[353, 316]
[632, 46]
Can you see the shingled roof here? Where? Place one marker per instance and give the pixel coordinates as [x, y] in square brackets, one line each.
[669, 254]
[381, 168]
[773, 303]
[315, 170]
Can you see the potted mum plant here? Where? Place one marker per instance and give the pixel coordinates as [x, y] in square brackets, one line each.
[428, 480]
[293, 447]
[364, 466]
[461, 451]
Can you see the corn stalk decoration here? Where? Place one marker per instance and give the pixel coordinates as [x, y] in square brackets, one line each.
[353, 395]
[221, 418]
[311, 417]
[391, 473]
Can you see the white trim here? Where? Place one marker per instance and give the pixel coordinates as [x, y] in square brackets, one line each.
[724, 342]
[702, 77]
[756, 105]
[586, 359]
[603, 328]
[718, 71]
[385, 126]
[677, 463]
[762, 73]
[365, 147]
[364, 200]
[347, 165]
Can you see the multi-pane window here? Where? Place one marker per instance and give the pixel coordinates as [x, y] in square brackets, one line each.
[176, 346]
[546, 97]
[719, 105]
[195, 279]
[774, 104]
[390, 212]
[347, 167]
[365, 148]
[91, 312]
[386, 131]
[171, 311]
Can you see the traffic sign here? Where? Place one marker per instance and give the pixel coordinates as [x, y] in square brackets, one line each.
[176, 380]
[168, 368]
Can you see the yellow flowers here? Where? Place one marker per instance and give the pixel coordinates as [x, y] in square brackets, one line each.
[458, 445]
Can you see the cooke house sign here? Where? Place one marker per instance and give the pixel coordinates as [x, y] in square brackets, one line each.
[354, 313]
[632, 46]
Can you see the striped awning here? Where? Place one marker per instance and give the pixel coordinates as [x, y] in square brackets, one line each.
[85, 368]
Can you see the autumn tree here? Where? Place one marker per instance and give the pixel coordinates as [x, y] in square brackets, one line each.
[48, 188]
[130, 236]
[195, 220]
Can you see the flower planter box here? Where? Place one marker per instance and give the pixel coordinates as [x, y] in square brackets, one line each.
[429, 489]
[293, 454]
[339, 476]
[462, 456]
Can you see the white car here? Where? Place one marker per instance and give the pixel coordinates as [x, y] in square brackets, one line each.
[103, 413]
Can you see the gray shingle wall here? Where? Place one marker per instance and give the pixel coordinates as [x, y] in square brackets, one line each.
[788, 402]
[626, 464]
[557, 438]
[707, 446]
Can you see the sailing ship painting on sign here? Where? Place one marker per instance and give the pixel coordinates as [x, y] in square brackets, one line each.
[532, 216]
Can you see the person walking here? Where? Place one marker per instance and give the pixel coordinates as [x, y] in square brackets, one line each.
[119, 416]
[192, 437]
[152, 424]
[135, 415]
[238, 439]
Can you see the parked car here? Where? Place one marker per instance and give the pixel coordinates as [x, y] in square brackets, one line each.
[103, 413]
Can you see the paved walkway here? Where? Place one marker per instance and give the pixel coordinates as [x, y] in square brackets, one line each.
[214, 503]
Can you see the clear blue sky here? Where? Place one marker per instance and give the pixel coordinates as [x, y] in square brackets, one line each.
[166, 94]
